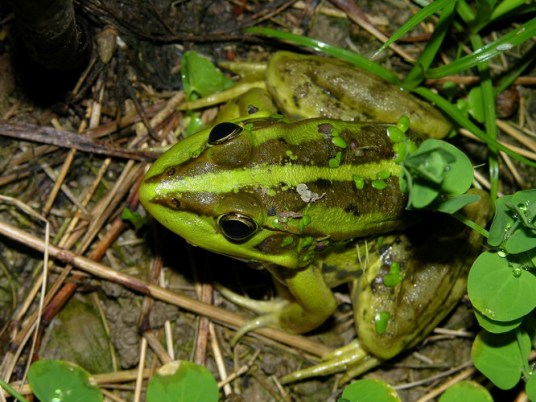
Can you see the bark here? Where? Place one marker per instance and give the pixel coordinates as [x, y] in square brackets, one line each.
[49, 32]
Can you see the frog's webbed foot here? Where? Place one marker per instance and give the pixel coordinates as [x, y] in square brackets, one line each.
[266, 320]
[268, 311]
[257, 306]
[351, 359]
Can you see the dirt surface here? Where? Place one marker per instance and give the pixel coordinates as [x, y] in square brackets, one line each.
[112, 101]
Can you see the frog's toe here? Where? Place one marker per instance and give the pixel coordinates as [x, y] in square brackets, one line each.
[269, 311]
[267, 320]
[261, 307]
[351, 359]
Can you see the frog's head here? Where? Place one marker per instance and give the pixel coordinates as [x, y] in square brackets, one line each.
[262, 190]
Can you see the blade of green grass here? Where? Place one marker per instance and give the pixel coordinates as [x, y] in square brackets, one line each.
[426, 12]
[488, 100]
[513, 73]
[486, 86]
[473, 225]
[482, 12]
[12, 391]
[451, 111]
[517, 36]
[505, 7]
[416, 75]
[330, 50]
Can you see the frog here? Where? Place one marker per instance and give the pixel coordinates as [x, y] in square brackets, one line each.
[310, 192]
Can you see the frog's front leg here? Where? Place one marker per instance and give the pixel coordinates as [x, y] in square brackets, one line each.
[305, 302]
[313, 301]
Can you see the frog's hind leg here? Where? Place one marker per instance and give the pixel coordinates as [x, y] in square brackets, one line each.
[351, 359]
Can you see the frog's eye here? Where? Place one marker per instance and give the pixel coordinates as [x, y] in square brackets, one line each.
[237, 227]
[223, 132]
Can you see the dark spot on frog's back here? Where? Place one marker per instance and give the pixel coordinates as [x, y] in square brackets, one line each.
[352, 209]
[301, 91]
[344, 275]
[366, 116]
[281, 143]
[315, 64]
[168, 202]
[325, 128]
[341, 275]
[295, 100]
[322, 184]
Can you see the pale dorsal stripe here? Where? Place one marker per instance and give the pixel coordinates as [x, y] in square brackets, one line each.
[272, 176]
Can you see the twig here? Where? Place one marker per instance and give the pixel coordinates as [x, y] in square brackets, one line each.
[66, 139]
[215, 313]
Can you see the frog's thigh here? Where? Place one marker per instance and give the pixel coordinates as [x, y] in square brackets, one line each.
[434, 259]
[313, 301]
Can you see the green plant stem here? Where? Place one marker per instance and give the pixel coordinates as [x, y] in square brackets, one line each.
[488, 98]
[468, 222]
[416, 75]
[12, 391]
[526, 368]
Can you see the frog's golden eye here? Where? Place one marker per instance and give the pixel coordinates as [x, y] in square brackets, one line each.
[223, 132]
[237, 227]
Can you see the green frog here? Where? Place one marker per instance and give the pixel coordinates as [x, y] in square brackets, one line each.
[312, 195]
